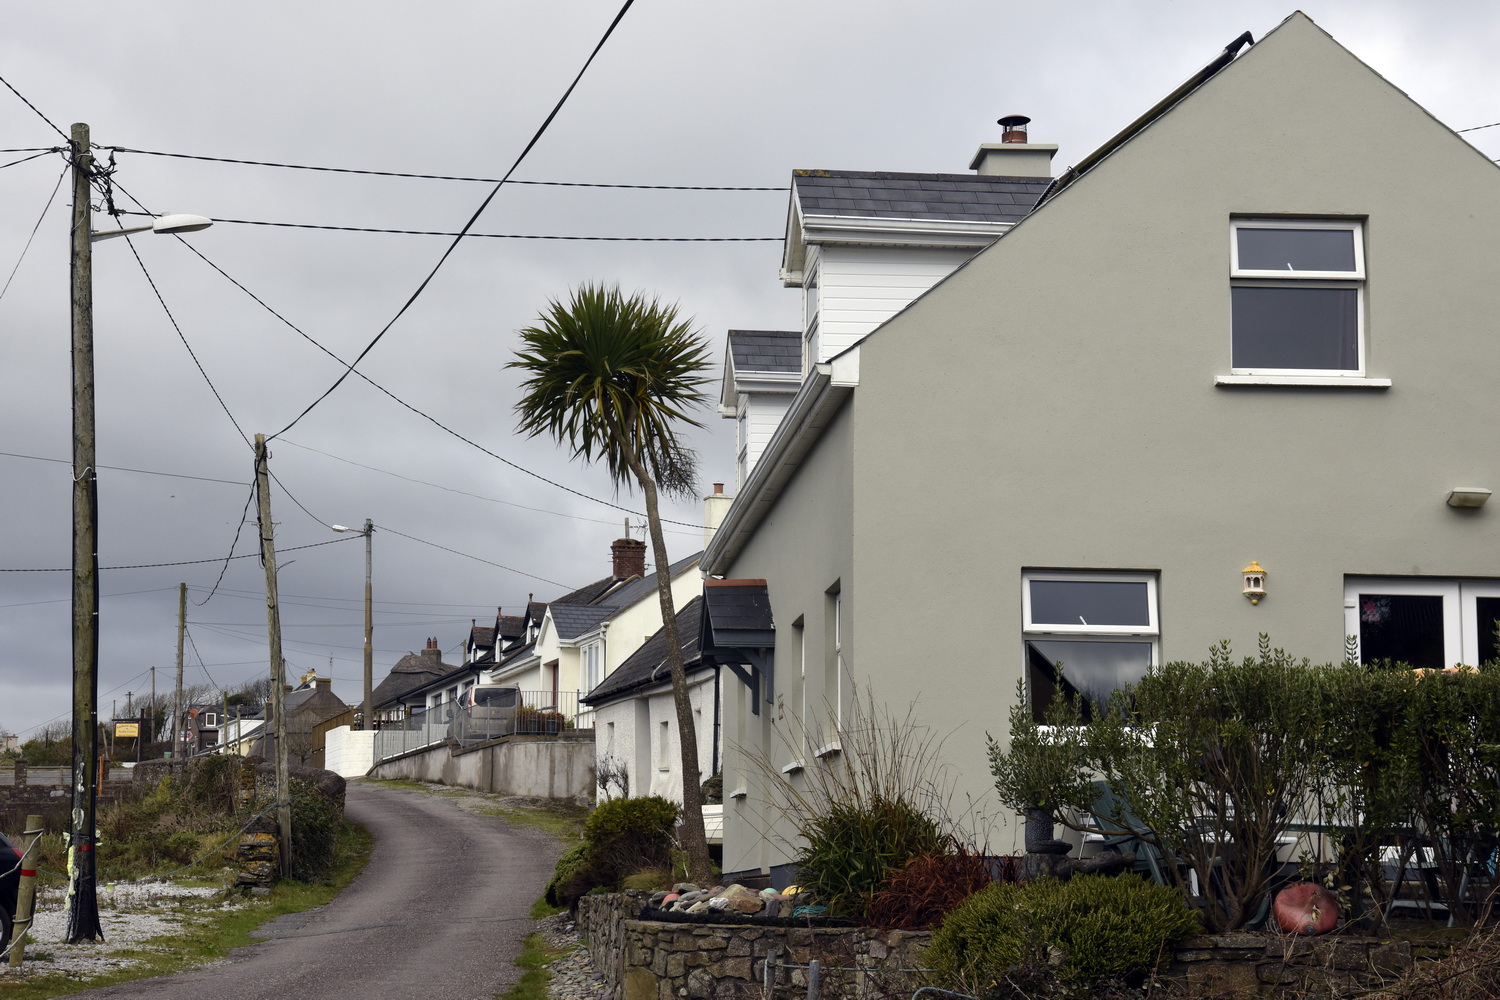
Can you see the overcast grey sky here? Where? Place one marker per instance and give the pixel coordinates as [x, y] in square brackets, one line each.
[686, 92]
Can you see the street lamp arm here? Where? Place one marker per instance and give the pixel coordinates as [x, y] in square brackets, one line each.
[166, 225]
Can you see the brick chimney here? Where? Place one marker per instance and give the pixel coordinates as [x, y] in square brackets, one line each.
[629, 556]
[432, 652]
[1015, 155]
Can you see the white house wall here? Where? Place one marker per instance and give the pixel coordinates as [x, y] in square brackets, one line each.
[862, 287]
[760, 415]
[632, 626]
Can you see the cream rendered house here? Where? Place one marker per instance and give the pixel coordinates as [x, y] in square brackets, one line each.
[1258, 328]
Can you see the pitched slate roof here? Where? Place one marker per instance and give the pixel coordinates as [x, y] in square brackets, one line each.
[572, 620]
[647, 665]
[481, 636]
[766, 350]
[886, 195]
[510, 626]
[410, 672]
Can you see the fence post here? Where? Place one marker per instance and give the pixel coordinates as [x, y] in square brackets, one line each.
[814, 977]
[25, 891]
[768, 973]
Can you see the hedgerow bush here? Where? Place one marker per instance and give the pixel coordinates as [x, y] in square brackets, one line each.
[1086, 930]
[621, 837]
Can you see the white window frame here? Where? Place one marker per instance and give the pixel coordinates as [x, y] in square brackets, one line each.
[663, 757]
[1084, 630]
[1460, 613]
[1258, 278]
[1150, 633]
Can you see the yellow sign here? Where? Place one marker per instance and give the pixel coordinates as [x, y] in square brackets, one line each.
[127, 729]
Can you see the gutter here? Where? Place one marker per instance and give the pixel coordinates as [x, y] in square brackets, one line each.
[1161, 107]
[821, 396]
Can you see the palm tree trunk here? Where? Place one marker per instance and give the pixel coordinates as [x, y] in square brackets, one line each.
[694, 839]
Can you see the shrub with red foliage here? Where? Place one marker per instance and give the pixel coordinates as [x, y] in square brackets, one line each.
[930, 886]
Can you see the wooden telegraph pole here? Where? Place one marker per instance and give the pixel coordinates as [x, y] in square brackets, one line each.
[177, 700]
[83, 901]
[278, 671]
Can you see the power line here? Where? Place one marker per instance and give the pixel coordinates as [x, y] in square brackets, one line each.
[430, 177]
[391, 395]
[467, 225]
[33, 107]
[450, 489]
[120, 468]
[238, 529]
[1476, 128]
[180, 336]
[45, 209]
[465, 234]
[468, 555]
[192, 562]
[26, 159]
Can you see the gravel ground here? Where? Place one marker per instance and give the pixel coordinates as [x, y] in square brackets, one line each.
[573, 975]
[131, 913]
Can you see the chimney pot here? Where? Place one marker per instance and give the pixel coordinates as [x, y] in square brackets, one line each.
[718, 489]
[629, 558]
[1015, 128]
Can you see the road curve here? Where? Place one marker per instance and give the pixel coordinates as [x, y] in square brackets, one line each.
[439, 912]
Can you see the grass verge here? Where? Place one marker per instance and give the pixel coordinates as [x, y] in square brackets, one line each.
[210, 934]
[534, 958]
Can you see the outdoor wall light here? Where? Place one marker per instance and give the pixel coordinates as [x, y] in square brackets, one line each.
[1468, 496]
[1255, 582]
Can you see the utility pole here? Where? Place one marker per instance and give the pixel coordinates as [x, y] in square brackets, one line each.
[83, 899]
[153, 703]
[367, 721]
[177, 703]
[278, 671]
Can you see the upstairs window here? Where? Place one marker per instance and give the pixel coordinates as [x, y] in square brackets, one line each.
[1087, 634]
[1297, 297]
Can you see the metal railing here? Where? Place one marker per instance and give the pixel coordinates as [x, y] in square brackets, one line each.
[538, 713]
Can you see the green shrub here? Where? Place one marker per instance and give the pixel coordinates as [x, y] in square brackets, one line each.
[1091, 928]
[315, 829]
[852, 848]
[627, 835]
[571, 877]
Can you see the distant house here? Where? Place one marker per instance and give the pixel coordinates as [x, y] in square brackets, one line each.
[312, 701]
[406, 690]
[200, 728]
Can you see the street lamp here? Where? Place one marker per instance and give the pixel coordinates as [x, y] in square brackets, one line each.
[368, 531]
[83, 901]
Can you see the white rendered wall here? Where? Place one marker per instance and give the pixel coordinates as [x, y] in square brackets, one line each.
[862, 287]
[348, 752]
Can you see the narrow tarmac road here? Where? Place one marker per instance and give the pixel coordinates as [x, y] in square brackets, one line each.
[439, 912]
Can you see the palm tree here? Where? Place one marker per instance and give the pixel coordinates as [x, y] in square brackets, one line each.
[613, 377]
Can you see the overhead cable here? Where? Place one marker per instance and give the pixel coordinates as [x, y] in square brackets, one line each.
[467, 225]
[465, 234]
[55, 188]
[33, 107]
[433, 177]
[195, 562]
[382, 389]
[121, 468]
[468, 555]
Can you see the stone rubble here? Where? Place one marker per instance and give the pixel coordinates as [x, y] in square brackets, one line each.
[573, 975]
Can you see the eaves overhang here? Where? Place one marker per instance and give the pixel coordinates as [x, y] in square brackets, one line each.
[823, 393]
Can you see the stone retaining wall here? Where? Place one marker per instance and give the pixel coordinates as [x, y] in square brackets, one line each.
[658, 960]
[661, 960]
[1265, 964]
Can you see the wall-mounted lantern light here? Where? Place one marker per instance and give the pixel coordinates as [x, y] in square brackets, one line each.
[1468, 496]
[1255, 582]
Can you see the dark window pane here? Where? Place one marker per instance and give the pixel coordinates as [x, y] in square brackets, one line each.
[1403, 628]
[1488, 612]
[1308, 328]
[1090, 669]
[1296, 249]
[1089, 602]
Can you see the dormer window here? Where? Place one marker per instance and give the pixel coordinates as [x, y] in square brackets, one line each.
[1297, 297]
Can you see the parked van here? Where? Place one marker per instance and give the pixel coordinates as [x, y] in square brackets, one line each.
[485, 711]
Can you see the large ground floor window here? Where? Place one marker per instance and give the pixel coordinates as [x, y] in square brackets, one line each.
[1086, 633]
[1423, 622]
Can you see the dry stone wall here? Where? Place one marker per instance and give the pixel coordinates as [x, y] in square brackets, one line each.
[661, 960]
